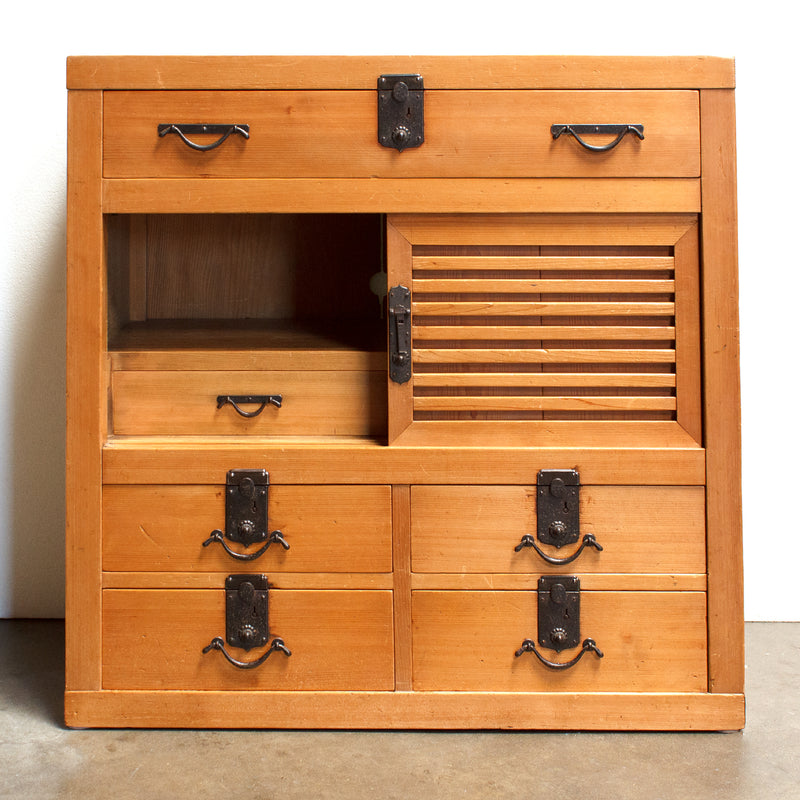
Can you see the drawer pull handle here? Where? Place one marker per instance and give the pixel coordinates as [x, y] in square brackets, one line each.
[276, 537]
[223, 131]
[588, 541]
[589, 645]
[582, 130]
[218, 644]
[240, 399]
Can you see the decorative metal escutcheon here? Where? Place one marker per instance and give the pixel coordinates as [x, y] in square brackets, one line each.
[247, 505]
[559, 612]
[246, 611]
[558, 506]
[400, 334]
[401, 107]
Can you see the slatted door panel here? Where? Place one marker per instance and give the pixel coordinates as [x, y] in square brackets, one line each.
[561, 336]
[584, 318]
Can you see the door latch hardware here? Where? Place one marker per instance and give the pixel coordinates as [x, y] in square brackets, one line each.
[559, 621]
[401, 106]
[247, 505]
[558, 506]
[400, 334]
[247, 620]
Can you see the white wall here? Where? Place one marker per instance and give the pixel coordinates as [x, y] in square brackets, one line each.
[33, 49]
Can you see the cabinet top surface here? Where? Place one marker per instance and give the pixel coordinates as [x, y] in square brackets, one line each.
[361, 72]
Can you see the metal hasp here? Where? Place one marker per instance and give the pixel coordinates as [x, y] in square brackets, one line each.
[558, 506]
[399, 334]
[247, 505]
[559, 612]
[401, 107]
[246, 611]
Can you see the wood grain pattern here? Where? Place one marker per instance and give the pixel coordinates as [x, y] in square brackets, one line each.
[328, 529]
[722, 394]
[651, 641]
[339, 640]
[86, 381]
[360, 72]
[401, 524]
[508, 135]
[642, 530]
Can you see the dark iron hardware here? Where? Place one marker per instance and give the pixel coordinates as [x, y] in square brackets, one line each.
[559, 621]
[588, 646]
[588, 541]
[578, 131]
[247, 620]
[400, 334]
[401, 106]
[184, 131]
[247, 514]
[276, 537]
[557, 506]
[237, 400]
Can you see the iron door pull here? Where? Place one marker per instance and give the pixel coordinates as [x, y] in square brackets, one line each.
[588, 541]
[277, 645]
[589, 645]
[184, 131]
[237, 400]
[582, 130]
[276, 537]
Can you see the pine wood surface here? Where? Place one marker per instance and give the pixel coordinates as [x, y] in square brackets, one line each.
[285, 142]
[641, 530]
[328, 528]
[361, 72]
[651, 641]
[397, 195]
[339, 640]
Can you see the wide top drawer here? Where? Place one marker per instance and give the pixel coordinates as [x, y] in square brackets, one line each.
[493, 133]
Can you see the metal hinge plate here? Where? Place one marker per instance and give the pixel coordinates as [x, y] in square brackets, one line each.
[558, 506]
[559, 612]
[246, 611]
[401, 106]
[400, 334]
[247, 505]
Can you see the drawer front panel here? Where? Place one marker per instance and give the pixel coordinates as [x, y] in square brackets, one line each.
[651, 641]
[328, 529]
[314, 403]
[642, 529]
[467, 134]
[339, 640]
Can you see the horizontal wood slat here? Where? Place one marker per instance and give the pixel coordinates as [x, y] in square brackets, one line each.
[529, 379]
[543, 309]
[504, 356]
[425, 332]
[532, 286]
[544, 403]
[542, 263]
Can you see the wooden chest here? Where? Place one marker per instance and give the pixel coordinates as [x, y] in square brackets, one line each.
[403, 393]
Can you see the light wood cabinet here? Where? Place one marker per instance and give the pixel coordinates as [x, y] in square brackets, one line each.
[369, 436]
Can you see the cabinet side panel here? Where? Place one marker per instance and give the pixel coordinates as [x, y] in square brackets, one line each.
[86, 405]
[721, 370]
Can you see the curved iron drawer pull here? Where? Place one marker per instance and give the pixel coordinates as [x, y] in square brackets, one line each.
[223, 131]
[589, 645]
[588, 541]
[276, 537]
[578, 130]
[237, 399]
[218, 644]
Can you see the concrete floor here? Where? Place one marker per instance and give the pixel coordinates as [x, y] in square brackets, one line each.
[41, 759]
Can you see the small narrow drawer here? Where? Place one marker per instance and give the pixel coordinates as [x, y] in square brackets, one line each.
[476, 529]
[468, 133]
[339, 641]
[337, 529]
[651, 642]
[195, 403]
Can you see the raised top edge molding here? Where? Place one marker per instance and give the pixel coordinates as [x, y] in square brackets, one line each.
[361, 72]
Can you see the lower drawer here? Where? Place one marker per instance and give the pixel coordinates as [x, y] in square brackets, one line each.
[339, 640]
[651, 642]
[313, 403]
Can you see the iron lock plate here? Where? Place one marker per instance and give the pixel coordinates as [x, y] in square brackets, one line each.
[399, 334]
[401, 107]
[246, 611]
[247, 505]
[558, 506]
[559, 600]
